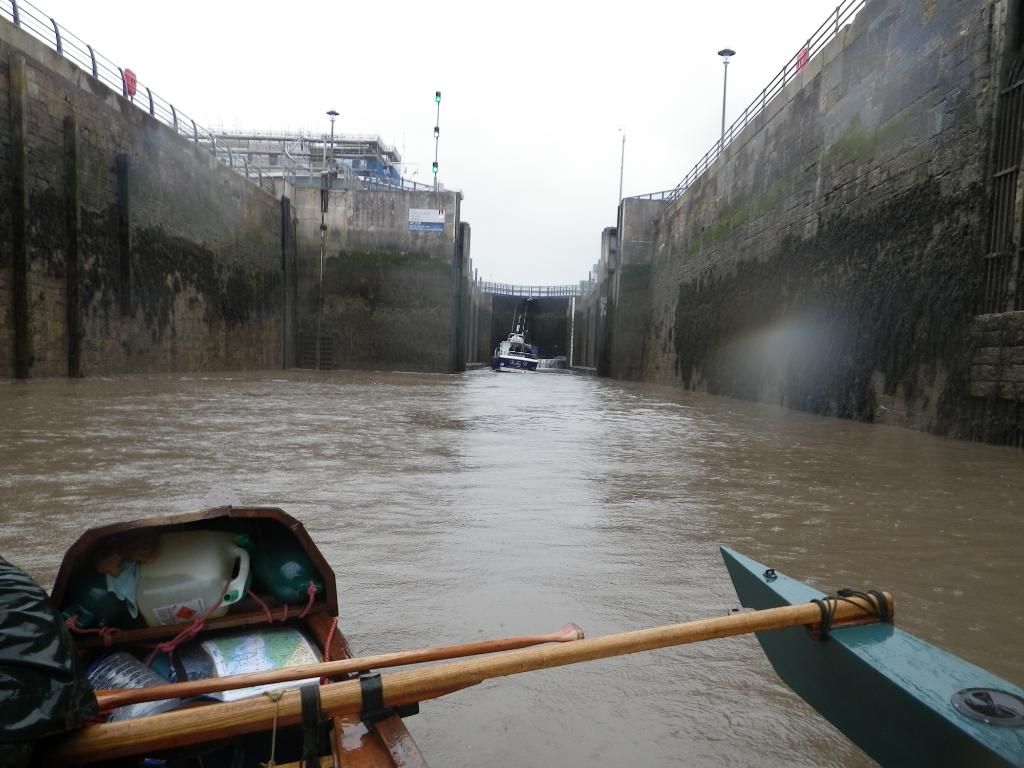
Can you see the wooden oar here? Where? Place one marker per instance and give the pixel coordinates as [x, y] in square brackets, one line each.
[191, 726]
[120, 697]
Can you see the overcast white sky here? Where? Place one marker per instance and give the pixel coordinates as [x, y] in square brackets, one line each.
[534, 93]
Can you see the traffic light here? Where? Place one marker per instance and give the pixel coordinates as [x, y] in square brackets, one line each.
[437, 96]
[437, 131]
[434, 168]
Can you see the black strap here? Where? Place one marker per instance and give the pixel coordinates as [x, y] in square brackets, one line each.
[309, 695]
[372, 691]
[826, 609]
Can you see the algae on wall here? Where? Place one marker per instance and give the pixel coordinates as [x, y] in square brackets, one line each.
[887, 293]
[385, 308]
[829, 260]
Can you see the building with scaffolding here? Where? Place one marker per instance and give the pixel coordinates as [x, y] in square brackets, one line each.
[358, 161]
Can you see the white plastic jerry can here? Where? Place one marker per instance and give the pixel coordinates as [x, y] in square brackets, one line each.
[193, 571]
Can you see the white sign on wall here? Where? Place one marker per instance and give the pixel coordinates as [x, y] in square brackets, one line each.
[426, 220]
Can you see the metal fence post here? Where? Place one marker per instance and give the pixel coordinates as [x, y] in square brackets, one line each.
[14, 13]
[195, 132]
[124, 84]
[837, 19]
[92, 58]
[174, 117]
[150, 94]
[56, 33]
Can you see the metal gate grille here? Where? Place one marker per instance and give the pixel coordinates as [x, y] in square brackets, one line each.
[1002, 284]
[307, 352]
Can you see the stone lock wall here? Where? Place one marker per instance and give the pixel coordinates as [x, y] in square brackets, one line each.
[123, 246]
[392, 297]
[829, 260]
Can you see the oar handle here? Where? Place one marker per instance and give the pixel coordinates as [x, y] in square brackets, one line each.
[182, 727]
[122, 697]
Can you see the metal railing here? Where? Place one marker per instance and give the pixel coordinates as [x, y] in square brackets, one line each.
[538, 291]
[822, 36]
[44, 28]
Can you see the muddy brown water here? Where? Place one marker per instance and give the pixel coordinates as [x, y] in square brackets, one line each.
[481, 505]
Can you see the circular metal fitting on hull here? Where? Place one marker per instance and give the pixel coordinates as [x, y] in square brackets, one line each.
[990, 706]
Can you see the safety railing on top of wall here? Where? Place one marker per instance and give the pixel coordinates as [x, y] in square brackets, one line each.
[44, 28]
[537, 291]
[822, 36]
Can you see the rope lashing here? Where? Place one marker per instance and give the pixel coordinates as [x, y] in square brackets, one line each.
[311, 591]
[189, 632]
[876, 605]
[106, 633]
[274, 696]
[262, 604]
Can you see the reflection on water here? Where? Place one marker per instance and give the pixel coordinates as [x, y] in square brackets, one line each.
[456, 508]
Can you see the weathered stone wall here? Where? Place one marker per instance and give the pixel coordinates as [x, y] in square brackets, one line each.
[484, 319]
[174, 262]
[996, 409]
[390, 295]
[592, 309]
[629, 295]
[828, 261]
[585, 323]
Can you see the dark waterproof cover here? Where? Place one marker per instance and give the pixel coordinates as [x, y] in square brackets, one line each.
[43, 689]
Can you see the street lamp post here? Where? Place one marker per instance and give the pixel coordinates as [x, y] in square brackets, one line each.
[437, 134]
[325, 188]
[332, 114]
[622, 163]
[725, 53]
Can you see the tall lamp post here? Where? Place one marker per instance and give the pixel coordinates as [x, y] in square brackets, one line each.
[726, 54]
[325, 188]
[332, 114]
[437, 134]
[622, 162]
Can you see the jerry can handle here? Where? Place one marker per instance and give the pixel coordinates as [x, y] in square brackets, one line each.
[236, 587]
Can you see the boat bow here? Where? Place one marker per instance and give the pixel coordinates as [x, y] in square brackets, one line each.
[891, 693]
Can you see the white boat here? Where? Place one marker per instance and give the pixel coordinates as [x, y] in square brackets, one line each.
[514, 354]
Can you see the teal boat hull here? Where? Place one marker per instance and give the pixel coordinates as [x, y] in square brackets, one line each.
[886, 690]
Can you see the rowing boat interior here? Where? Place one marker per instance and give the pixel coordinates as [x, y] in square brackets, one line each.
[266, 623]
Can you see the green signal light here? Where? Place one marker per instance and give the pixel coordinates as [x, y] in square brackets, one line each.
[434, 168]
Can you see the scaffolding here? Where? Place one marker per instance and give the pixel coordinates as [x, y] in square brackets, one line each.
[356, 159]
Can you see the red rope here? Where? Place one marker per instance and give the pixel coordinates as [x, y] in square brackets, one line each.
[105, 633]
[330, 639]
[327, 649]
[311, 592]
[189, 632]
[262, 604]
